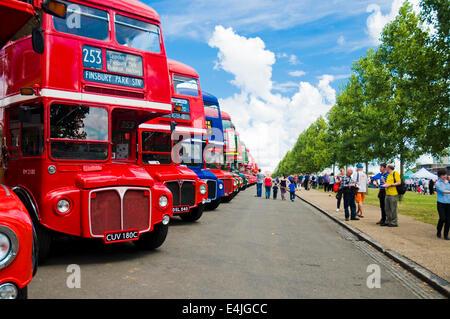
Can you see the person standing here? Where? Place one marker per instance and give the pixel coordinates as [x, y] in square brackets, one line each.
[283, 185]
[382, 176]
[392, 197]
[306, 182]
[331, 185]
[361, 183]
[292, 191]
[348, 185]
[431, 185]
[338, 180]
[443, 203]
[268, 185]
[275, 188]
[326, 182]
[259, 182]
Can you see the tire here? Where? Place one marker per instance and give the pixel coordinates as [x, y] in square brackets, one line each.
[213, 205]
[44, 241]
[23, 293]
[194, 214]
[227, 199]
[154, 239]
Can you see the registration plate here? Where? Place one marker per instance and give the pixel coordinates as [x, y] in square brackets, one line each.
[180, 209]
[209, 200]
[121, 236]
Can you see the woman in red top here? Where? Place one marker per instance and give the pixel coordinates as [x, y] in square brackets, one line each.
[268, 185]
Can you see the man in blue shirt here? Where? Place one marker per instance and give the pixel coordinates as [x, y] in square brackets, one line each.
[443, 203]
[382, 176]
[259, 182]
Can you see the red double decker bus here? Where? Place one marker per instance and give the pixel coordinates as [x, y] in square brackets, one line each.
[162, 160]
[70, 119]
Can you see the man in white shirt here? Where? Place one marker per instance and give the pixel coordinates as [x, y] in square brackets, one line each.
[361, 183]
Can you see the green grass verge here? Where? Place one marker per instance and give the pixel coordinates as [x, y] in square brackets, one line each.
[420, 207]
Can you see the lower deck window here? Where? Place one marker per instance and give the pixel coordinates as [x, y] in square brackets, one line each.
[79, 132]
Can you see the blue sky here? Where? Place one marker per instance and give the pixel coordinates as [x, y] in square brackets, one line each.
[274, 65]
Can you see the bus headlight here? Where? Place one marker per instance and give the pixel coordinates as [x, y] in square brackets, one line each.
[8, 291]
[166, 219]
[220, 186]
[163, 201]
[203, 189]
[9, 246]
[235, 183]
[63, 206]
[5, 246]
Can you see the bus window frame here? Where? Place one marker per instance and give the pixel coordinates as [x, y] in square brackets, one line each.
[50, 139]
[109, 11]
[175, 93]
[7, 133]
[136, 17]
[141, 146]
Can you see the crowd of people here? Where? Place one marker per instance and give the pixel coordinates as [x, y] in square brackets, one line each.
[351, 187]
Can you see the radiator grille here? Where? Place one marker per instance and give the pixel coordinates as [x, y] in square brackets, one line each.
[183, 194]
[228, 184]
[116, 209]
[136, 208]
[212, 188]
[105, 212]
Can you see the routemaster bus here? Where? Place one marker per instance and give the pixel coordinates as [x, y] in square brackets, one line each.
[70, 117]
[18, 250]
[216, 156]
[189, 116]
[231, 148]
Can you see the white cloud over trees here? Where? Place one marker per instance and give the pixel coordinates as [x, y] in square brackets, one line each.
[268, 122]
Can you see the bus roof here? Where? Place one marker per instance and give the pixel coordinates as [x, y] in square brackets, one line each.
[130, 6]
[13, 16]
[225, 115]
[181, 68]
[209, 98]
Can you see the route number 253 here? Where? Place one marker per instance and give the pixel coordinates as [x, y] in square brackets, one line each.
[92, 58]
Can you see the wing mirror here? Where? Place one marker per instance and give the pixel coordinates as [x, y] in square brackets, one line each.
[55, 8]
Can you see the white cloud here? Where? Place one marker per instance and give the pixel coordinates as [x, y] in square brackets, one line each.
[293, 59]
[198, 18]
[268, 122]
[341, 40]
[297, 73]
[246, 58]
[377, 20]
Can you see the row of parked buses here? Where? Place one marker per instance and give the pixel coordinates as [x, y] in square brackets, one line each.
[101, 135]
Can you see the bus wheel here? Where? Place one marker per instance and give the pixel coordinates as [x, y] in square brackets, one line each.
[194, 214]
[227, 199]
[153, 239]
[23, 293]
[44, 239]
[213, 205]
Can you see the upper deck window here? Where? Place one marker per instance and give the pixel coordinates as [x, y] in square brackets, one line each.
[138, 34]
[84, 21]
[185, 85]
[226, 124]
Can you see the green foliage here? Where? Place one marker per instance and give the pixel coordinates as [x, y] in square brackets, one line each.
[395, 104]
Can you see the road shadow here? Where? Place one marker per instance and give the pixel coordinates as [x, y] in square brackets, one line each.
[83, 251]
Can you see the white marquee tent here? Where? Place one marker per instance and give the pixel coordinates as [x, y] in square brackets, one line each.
[424, 173]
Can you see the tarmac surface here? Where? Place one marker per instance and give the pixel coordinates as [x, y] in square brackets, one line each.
[249, 248]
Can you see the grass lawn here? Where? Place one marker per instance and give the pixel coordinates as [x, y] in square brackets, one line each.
[420, 207]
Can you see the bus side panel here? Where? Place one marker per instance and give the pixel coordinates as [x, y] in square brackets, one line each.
[22, 67]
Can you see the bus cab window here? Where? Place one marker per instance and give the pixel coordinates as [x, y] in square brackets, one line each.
[32, 135]
[121, 147]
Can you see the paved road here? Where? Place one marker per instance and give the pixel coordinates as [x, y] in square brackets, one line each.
[249, 248]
